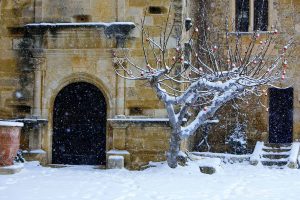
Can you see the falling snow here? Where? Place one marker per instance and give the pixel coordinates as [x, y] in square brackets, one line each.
[233, 181]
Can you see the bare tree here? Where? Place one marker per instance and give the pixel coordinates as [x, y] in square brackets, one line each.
[203, 71]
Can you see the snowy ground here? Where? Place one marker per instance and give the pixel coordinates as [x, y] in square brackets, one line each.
[234, 181]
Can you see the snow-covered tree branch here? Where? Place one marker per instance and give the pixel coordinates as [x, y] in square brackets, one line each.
[206, 68]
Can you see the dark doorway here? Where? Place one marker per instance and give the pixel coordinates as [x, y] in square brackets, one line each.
[79, 125]
[281, 115]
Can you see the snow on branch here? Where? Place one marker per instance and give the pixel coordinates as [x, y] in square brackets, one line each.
[203, 71]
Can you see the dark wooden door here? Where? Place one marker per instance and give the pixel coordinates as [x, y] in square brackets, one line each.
[281, 115]
[79, 125]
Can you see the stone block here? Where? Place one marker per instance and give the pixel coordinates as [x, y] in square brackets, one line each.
[135, 143]
[137, 3]
[12, 169]
[119, 137]
[292, 165]
[155, 145]
[36, 155]
[123, 153]
[207, 169]
[209, 165]
[115, 162]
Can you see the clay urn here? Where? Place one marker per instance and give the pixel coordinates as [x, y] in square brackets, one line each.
[9, 141]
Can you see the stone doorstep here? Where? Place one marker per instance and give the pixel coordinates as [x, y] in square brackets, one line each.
[13, 169]
[36, 155]
[125, 154]
[115, 162]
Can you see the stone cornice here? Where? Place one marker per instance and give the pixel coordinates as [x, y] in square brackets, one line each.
[116, 29]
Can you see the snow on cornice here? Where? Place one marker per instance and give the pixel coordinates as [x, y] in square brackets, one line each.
[82, 24]
[118, 29]
[139, 120]
[8, 123]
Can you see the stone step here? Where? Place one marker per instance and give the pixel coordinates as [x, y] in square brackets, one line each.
[275, 160]
[278, 146]
[287, 153]
[275, 156]
[273, 163]
[276, 150]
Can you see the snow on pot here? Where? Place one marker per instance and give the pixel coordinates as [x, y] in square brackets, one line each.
[9, 141]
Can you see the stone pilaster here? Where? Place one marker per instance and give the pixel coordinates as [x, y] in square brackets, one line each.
[120, 100]
[120, 96]
[121, 9]
[35, 139]
[119, 136]
[39, 65]
[38, 10]
[35, 129]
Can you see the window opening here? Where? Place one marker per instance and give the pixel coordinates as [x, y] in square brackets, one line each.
[242, 15]
[261, 15]
[156, 10]
[82, 18]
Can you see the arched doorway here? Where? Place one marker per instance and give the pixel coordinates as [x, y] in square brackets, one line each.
[79, 125]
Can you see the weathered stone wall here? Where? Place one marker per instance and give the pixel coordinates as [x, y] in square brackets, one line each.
[68, 55]
[12, 14]
[285, 16]
[61, 55]
[145, 140]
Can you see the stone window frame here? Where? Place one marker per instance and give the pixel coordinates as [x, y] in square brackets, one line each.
[251, 15]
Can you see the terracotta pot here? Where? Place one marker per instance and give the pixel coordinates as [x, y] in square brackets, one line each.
[9, 141]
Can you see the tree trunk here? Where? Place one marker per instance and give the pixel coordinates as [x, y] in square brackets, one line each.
[174, 149]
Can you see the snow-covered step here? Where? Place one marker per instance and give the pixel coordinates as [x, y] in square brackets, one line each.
[278, 148]
[273, 163]
[275, 156]
[277, 145]
[274, 160]
[275, 150]
[294, 155]
[286, 153]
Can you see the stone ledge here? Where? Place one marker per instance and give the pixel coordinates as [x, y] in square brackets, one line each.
[118, 29]
[36, 155]
[13, 169]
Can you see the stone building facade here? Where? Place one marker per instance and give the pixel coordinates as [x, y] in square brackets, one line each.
[261, 121]
[51, 47]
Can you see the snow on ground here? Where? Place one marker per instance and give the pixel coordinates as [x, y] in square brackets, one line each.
[234, 181]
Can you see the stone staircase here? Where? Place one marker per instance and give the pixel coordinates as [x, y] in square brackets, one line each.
[276, 155]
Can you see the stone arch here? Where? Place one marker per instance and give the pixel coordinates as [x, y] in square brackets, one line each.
[79, 125]
[77, 77]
